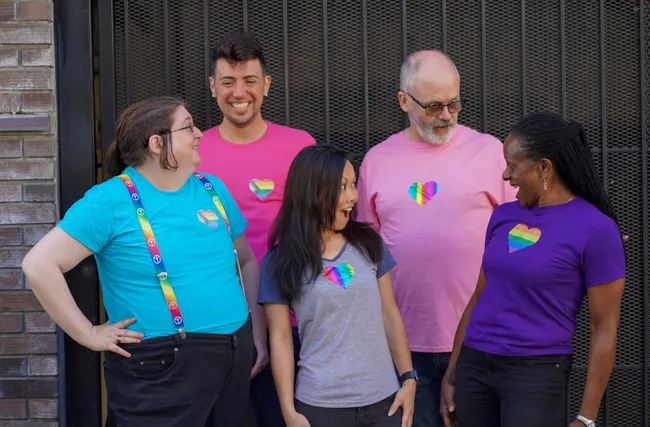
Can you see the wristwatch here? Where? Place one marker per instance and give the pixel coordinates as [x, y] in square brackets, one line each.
[411, 375]
[586, 421]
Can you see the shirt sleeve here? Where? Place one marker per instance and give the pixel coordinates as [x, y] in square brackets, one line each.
[387, 261]
[365, 203]
[236, 219]
[490, 227]
[90, 219]
[269, 292]
[603, 259]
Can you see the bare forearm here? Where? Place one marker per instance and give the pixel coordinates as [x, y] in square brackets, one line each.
[282, 360]
[398, 342]
[251, 278]
[459, 337]
[51, 290]
[601, 362]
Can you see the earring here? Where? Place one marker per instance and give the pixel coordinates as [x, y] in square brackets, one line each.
[545, 183]
[213, 95]
[266, 94]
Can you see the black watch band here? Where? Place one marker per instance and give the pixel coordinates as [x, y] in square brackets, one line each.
[409, 375]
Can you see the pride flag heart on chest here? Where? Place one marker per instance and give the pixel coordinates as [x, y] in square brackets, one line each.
[522, 237]
[261, 187]
[340, 275]
[423, 192]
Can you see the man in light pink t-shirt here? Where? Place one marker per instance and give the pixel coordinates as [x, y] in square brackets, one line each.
[252, 158]
[431, 190]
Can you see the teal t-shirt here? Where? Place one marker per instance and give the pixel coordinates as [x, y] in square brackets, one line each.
[196, 248]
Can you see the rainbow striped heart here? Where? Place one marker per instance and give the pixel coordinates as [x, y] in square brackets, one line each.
[340, 275]
[208, 218]
[422, 193]
[261, 188]
[521, 237]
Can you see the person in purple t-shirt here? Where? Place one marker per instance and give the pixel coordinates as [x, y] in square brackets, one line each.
[512, 352]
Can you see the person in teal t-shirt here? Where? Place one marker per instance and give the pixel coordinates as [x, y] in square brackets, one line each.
[167, 241]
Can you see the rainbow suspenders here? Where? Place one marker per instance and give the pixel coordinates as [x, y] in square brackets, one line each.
[156, 257]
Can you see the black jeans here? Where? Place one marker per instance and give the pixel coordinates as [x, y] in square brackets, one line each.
[500, 391]
[375, 415]
[431, 368]
[263, 392]
[200, 381]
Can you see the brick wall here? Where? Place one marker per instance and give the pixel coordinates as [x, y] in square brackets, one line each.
[28, 209]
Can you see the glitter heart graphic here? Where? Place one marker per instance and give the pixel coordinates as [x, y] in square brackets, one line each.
[208, 218]
[521, 237]
[261, 188]
[340, 275]
[422, 193]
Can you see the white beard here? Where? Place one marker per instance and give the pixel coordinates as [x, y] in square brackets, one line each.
[428, 133]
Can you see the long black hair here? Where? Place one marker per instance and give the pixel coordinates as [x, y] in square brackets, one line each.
[311, 195]
[548, 135]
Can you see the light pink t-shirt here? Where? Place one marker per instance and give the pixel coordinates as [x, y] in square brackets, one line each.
[254, 173]
[432, 205]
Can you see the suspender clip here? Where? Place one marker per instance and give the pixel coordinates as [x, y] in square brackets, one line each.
[181, 332]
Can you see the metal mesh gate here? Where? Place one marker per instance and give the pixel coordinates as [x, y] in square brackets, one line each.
[335, 68]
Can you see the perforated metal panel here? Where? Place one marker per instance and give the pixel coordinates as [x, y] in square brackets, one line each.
[335, 69]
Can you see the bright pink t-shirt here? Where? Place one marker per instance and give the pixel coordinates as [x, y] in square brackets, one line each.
[432, 204]
[255, 174]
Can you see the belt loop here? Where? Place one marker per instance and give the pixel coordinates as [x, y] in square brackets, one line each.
[178, 338]
[234, 341]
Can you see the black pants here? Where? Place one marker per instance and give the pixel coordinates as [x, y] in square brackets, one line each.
[264, 394]
[499, 391]
[200, 381]
[375, 415]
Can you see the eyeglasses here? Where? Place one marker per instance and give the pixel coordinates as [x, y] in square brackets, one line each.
[190, 127]
[435, 108]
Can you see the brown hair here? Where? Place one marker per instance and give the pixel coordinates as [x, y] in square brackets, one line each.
[136, 124]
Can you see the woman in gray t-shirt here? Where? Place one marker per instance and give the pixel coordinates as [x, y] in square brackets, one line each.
[333, 271]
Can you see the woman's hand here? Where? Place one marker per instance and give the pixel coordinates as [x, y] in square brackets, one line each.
[447, 405]
[106, 337]
[296, 419]
[405, 398]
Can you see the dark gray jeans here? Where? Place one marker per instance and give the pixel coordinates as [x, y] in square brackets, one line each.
[200, 381]
[431, 368]
[500, 391]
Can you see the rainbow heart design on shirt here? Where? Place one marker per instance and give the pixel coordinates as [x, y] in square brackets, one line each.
[261, 188]
[521, 237]
[340, 275]
[208, 218]
[422, 193]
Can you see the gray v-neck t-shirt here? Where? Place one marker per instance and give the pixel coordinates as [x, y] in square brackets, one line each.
[344, 357]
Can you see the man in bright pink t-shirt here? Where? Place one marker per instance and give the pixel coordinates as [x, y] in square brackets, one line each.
[252, 158]
[431, 190]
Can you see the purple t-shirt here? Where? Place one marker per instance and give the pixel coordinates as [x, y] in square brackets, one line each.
[538, 264]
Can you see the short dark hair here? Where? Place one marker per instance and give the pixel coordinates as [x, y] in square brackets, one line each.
[135, 125]
[237, 46]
